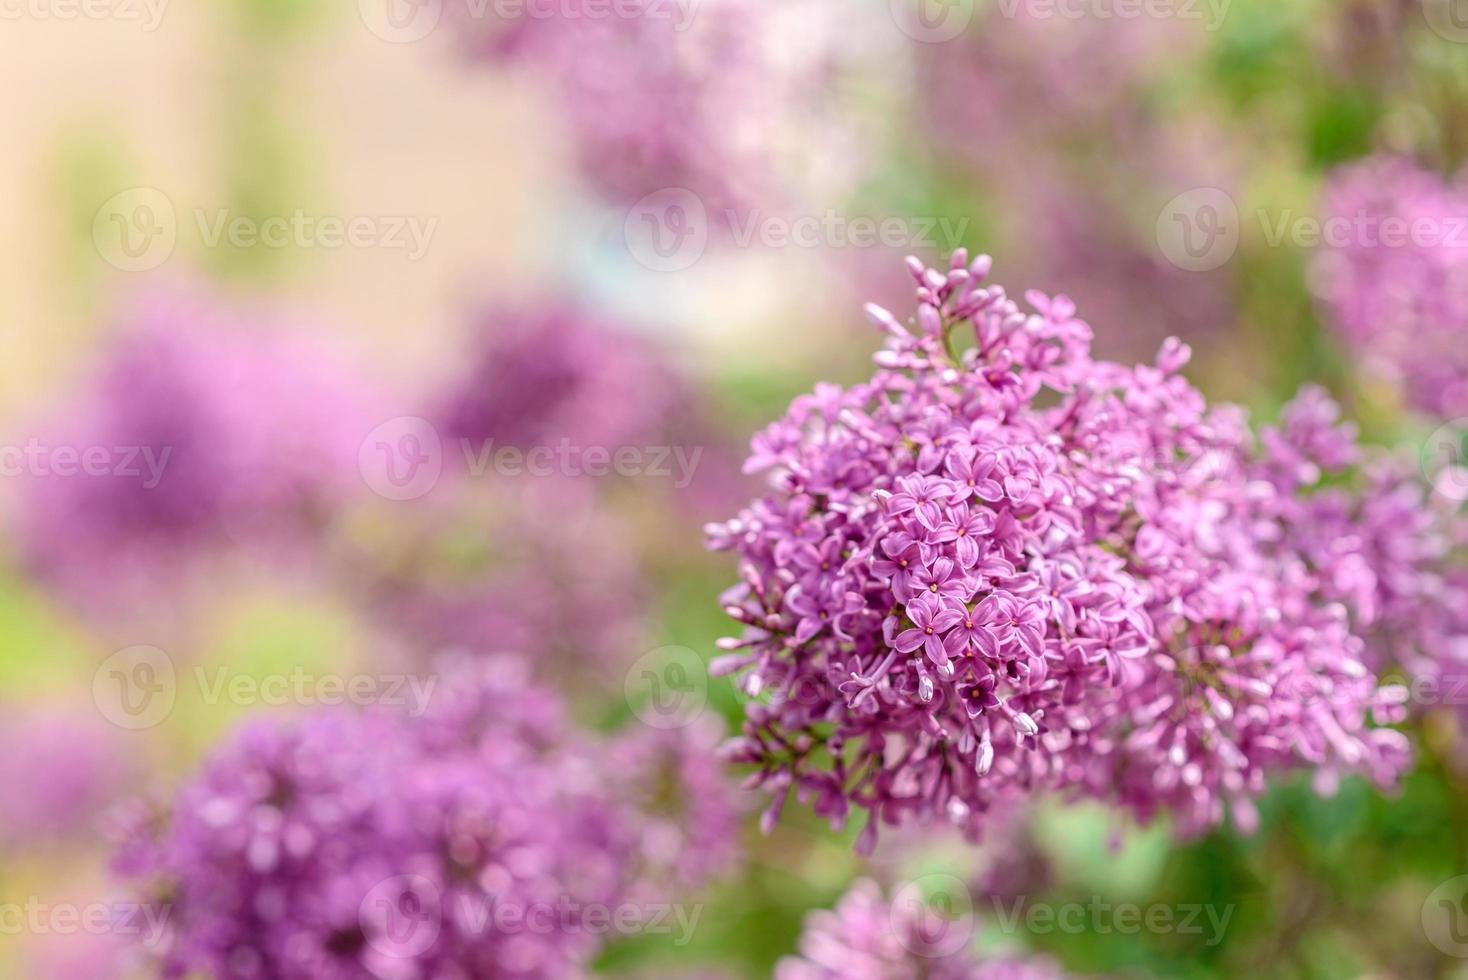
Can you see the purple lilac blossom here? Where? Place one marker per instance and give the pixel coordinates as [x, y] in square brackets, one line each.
[1393, 278]
[866, 937]
[1001, 566]
[746, 105]
[373, 844]
[536, 378]
[223, 435]
[1384, 547]
[1056, 117]
[59, 767]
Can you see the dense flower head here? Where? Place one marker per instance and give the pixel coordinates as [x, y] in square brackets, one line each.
[377, 844]
[1001, 566]
[1393, 278]
[220, 433]
[867, 937]
[1384, 546]
[743, 104]
[536, 377]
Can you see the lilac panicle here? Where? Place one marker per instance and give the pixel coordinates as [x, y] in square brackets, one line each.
[1002, 566]
[1384, 546]
[225, 435]
[866, 937]
[537, 377]
[1393, 278]
[302, 844]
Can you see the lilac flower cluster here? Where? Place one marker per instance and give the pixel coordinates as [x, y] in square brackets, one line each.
[868, 938]
[1002, 566]
[1393, 278]
[215, 433]
[371, 844]
[537, 377]
[1384, 547]
[60, 767]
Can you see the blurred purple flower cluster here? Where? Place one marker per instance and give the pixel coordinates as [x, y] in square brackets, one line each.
[540, 376]
[1384, 548]
[474, 839]
[60, 767]
[1057, 119]
[1002, 566]
[216, 433]
[746, 105]
[866, 937]
[1393, 278]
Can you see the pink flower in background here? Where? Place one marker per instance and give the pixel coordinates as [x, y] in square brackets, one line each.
[1155, 641]
[746, 105]
[1056, 123]
[368, 844]
[1383, 546]
[60, 768]
[214, 434]
[868, 937]
[537, 377]
[1392, 276]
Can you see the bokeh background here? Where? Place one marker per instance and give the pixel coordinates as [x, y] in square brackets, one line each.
[322, 243]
